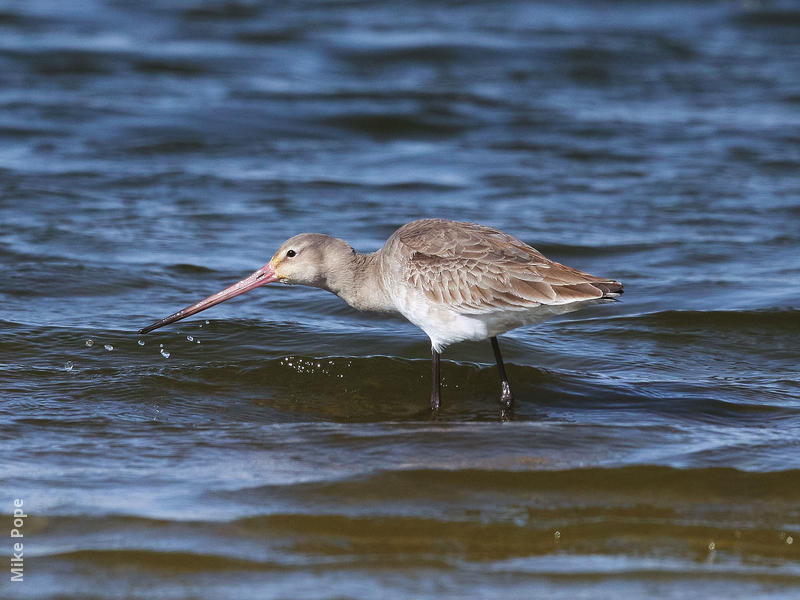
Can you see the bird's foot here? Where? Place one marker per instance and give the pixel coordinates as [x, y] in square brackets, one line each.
[507, 398]
[506, 403]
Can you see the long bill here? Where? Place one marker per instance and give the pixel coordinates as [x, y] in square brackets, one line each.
[261, 277]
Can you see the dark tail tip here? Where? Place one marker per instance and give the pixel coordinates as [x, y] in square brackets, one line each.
[610, 289]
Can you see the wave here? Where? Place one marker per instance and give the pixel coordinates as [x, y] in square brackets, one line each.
[775, 320]
[774, 18]
[153, 560]
[637, 483]
[392, 125]
[443, 518]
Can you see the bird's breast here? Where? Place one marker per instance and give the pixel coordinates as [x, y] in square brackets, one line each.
[443, 325]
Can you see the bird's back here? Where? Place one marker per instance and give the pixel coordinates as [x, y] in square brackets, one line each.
[472, 268]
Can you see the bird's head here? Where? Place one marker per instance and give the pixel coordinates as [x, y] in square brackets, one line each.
[308, 259]
[305, 259]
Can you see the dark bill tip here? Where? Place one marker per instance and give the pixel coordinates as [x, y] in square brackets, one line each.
[261, 277]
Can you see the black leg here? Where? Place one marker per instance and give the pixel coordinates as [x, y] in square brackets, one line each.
[436, 392]
[507, 399]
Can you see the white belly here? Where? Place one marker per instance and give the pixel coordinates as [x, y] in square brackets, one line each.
[445, 326]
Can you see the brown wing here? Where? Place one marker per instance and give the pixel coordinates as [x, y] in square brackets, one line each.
[476, 269]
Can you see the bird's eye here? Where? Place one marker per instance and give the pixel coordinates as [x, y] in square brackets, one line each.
[291, 254]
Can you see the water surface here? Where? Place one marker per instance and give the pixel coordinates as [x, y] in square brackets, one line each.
[152, 153]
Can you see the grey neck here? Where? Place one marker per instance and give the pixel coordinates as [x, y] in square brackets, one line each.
[359, 283]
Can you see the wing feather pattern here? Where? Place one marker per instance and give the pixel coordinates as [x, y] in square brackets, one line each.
[473, 269]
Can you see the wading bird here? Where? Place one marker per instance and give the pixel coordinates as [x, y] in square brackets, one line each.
[455, 281]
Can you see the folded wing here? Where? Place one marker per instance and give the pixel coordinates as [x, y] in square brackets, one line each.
[473, 269]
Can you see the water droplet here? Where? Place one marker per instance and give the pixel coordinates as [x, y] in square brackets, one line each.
[89, 343]
[190, 338]
[207, 322]
[198, 341]
[140, 342]
[68, 367]
[789, 539]
[557, 536]
[164, 353]
[161, 345]
[711, 546]
[108, 347]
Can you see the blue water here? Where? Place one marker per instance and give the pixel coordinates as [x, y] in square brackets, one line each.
[153, 153]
